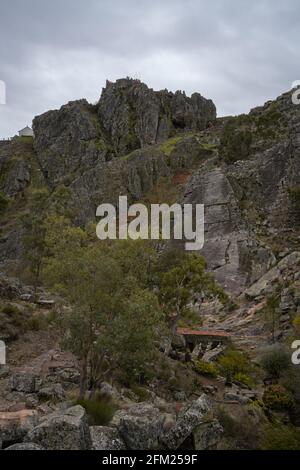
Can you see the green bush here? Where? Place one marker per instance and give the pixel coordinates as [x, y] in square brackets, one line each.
[206, 368]
[242, 433]
[36, 323]
[232, 363]
[244, 379]
[268, 123]
[294, 196]
[140, 392]
[190, 317]
[9, 309]
[3, 203]
[12, 321]
[280, 437]
[277, 398]
[235, 142]
[291, 381]
[169, 145]
[296, 324]
[99, 410]
[276, 361]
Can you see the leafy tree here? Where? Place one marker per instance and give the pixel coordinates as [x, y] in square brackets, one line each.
[290, 379]
[132, 334]
[137, 258]
[34, 234]
[112, 322]
[271, 315]
[183, 284]
[276, 361]
[89, 281]
[43, 208]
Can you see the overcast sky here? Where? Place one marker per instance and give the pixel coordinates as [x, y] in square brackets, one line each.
[240, 53]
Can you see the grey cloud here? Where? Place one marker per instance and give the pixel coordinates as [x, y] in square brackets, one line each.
[236, 52]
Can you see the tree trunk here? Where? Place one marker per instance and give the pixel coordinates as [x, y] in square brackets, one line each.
[83, 377]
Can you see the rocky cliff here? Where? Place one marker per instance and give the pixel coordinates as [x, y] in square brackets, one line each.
[157, 147]
[244, 169]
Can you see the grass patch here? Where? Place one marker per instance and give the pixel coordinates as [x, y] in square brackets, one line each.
[280, 437]
[208, 146]
[169, 145]
[233, 363]
[100, 410]
[140, 392]
[207, 369]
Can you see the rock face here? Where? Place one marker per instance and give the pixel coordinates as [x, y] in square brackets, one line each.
[265, 285]
[140, 426]
[228, 246]
[128, 116]
[68, 140]
[77, 145]
[186, 423]
[133, 176]
[135, 115]
[66, 430]
[14, 167]
[106, 438]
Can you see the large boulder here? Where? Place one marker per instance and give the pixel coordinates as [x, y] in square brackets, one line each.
[212, 355]
[25, 446]
[188, 419]
[53, 392]
[206, 436]
[267, 283]
[15, 425]
[106, 438]
[24, 382]
[140, 426]
[65, 430]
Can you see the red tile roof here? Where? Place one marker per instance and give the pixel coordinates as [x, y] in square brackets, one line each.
[189, 332]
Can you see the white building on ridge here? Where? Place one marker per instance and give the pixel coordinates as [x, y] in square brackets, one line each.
[26, 132]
